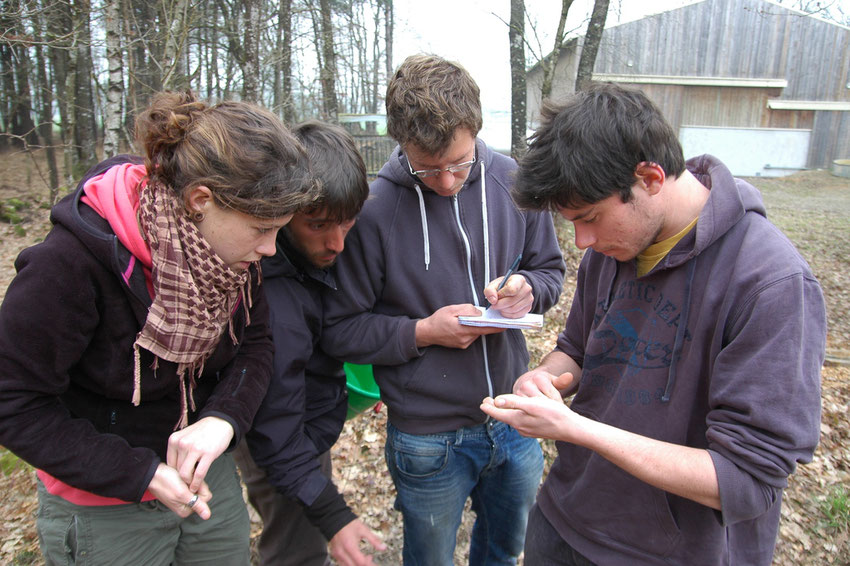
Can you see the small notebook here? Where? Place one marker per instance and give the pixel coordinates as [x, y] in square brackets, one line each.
[492, 317]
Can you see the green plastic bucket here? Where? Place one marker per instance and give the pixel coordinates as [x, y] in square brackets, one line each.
[363, 393]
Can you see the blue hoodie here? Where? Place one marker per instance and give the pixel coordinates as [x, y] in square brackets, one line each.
[718, 347]
[412, 252]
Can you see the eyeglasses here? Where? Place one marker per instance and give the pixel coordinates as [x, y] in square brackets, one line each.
[426, 173]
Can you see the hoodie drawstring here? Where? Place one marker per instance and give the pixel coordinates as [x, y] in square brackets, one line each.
[610, 296]
[485, 225]
[424, 216]
[679, 342]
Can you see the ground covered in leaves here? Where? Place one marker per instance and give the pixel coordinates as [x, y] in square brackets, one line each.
[812, 208]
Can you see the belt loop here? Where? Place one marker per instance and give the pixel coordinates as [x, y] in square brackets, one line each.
[459, 436]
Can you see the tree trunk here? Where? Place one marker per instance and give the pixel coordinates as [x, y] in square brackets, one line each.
[236, 57]
[7, 83]
[375, 67]
[115, 90]
[251, 62]
[327, 75]
[175, 27]
[283, 64]
[389, 26]
[592, 39]
[144, 48]
[549, 63]
[16, 68]
[44, 99]
[59, 26]
[516, 36]
[83, 93]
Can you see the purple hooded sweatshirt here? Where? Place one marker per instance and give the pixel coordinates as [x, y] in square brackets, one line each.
[718, 347]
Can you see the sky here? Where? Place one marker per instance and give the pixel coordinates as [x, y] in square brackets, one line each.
[475, 34]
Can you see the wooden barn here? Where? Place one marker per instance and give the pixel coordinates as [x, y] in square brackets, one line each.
[763, 87]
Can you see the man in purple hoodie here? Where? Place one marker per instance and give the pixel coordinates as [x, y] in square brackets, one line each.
[693, 347]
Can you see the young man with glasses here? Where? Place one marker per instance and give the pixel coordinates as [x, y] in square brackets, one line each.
[433, 242]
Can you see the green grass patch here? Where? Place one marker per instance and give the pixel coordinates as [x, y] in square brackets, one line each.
[10, 463]
[835, 506]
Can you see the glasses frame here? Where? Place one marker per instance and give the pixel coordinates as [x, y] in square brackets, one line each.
[429, 173]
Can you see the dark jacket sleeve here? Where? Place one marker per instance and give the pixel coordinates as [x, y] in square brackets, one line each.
[278, 440]
[45, 326]
[244, 382]
[353, 331]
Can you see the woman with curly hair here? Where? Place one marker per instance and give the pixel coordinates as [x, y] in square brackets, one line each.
[134, 341]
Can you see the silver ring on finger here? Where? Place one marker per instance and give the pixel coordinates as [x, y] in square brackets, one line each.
[192, 501]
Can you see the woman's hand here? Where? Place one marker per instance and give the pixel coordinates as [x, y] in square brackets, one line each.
[170, 489]
[192, 450]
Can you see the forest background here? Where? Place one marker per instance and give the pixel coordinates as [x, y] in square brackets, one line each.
[74, 73]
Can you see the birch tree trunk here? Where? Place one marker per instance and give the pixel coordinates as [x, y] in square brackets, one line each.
[176, 24]
[115, 89]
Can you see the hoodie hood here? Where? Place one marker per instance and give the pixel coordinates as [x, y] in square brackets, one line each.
[102, 216]
[722, 210]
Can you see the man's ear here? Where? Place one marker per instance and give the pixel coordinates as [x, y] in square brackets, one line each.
[197, 199]
[650, 175]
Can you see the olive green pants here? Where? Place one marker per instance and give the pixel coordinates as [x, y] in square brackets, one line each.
[148, 533]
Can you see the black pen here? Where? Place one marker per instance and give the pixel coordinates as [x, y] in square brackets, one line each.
[509, 273]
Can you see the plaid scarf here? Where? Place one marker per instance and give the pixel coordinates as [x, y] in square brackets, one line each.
[195, 294]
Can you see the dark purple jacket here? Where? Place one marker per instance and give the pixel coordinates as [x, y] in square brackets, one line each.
[67, 327]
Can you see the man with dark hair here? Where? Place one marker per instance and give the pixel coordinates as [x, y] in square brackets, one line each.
[304, 410]
[693, 347]
[435, 240]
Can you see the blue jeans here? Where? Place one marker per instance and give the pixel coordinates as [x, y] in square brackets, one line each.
[435, 473]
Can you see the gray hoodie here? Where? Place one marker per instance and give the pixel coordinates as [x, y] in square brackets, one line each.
[719, 347]
[412, 252]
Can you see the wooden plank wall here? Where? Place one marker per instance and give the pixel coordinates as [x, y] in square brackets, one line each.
[731, 39]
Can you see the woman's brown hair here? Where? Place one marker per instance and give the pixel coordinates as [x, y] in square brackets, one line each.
[243, 153]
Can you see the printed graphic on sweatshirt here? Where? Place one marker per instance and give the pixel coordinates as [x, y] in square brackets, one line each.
[631, 345]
